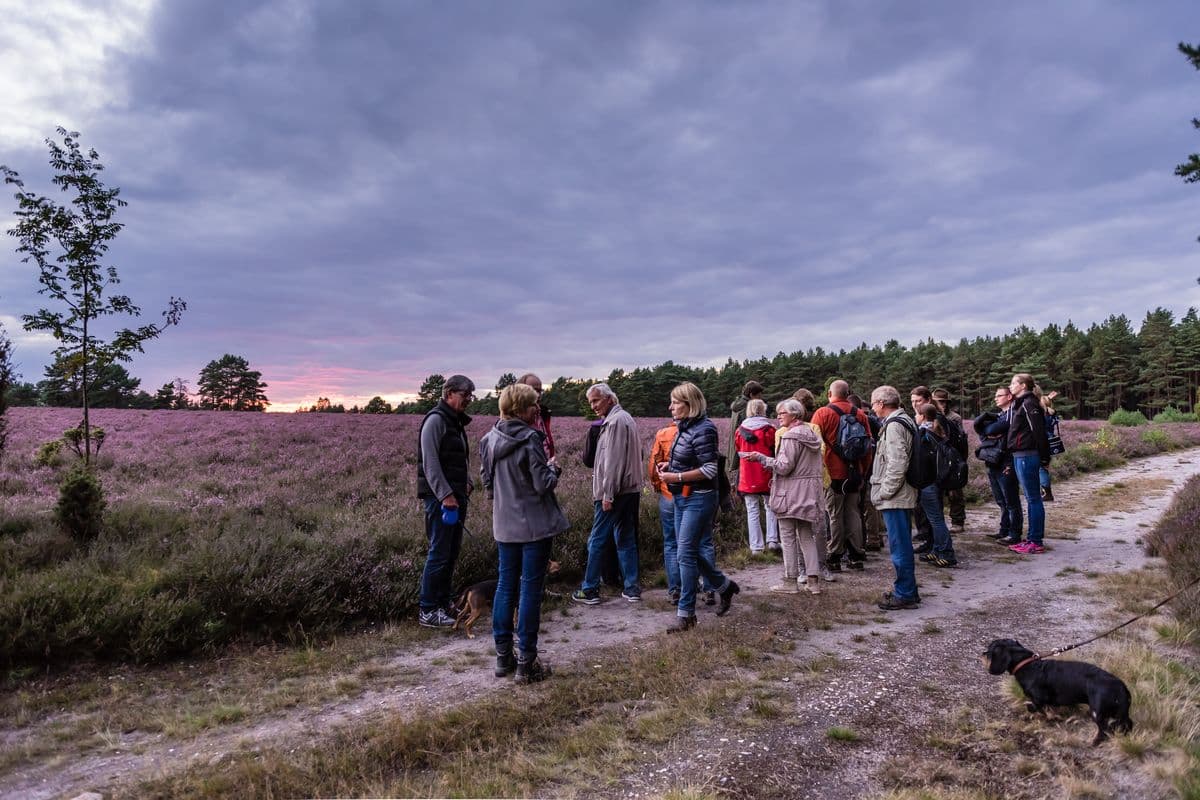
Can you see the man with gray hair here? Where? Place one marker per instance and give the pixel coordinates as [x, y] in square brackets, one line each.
[616, 489]
[893, 496]
[847, 474]
[443, 484]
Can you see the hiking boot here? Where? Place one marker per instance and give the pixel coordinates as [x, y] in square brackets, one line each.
[833, 565]
[997, 536]
[731, 588]
[437, 618]
[1008, 541]
[827, 574]
[1028, 549]
[532, 671]
[633, 595]
[891, 603]
[710, 598]
[506, 662]
[673, 595]
[589, 597]
[855, 565]
[813, 585]
[1047, 494]
[787, 587]
[682, 624]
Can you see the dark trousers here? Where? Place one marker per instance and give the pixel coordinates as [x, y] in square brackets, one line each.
[958, 506]
[1007, 494]
[444, 543]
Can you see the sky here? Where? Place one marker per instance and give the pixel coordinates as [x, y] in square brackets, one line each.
[355, 195]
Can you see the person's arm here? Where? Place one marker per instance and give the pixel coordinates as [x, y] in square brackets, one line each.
[1037, 426]
[656, 455]
[431, 439]
[897, 444]
[544, 474]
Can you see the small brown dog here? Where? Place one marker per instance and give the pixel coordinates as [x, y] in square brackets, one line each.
[477, 598]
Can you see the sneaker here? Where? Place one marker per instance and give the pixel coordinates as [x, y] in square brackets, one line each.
[997, 536]
[437, 618]
[682, 624]
[786, 588]
[589, 597]
[532, 671]
[633, 595]
[890, 603]
[923, 547]
[731, 588]
[926, 557]
[710, 598]
[774, 547]
[855, 565]
[833, 565]
[506, 663]
[1008, 541]
[1028, 548]
[938, 561]
[827, 574]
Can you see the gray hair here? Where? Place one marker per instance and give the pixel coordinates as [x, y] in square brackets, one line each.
[457, 383]
[756, 408]
[839, 389]
[791, 406]
[887, 395]
[604, 390]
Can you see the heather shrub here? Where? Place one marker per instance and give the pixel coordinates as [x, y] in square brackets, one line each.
[80, 508]
[1084, 458]
[1127, 419]
[1107, 438]
[1172, 414]
[1175, 539]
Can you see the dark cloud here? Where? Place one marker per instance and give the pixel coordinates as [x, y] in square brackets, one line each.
[355, 195]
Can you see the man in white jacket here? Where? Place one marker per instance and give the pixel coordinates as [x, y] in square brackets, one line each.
[616, 489]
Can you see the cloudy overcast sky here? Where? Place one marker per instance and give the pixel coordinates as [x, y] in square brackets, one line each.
[353, 195]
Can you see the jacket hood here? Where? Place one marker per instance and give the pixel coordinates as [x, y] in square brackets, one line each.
[755, 423]
[804, 435]
[508, 436]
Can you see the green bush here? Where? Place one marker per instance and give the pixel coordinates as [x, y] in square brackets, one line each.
[1127, 419]
[80, 508]
[49, 454]
[1158, 438]
[1172, 414]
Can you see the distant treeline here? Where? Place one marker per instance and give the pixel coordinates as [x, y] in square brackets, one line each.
[1097, 371]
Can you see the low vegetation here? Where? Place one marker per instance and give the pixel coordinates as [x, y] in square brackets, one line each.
[1175, 539]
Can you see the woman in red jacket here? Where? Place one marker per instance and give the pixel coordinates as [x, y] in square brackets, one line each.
[757, 435]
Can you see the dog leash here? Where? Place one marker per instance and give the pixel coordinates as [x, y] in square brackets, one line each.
[1060, 650]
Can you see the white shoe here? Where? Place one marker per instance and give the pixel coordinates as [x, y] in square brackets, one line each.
[826, 575]
[785, 588]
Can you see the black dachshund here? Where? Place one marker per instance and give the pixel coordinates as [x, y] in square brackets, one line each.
[1064, 683]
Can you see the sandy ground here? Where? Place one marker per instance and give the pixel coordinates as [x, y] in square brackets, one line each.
[870, 691]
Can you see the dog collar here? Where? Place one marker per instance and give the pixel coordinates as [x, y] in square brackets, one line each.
[1024, 663]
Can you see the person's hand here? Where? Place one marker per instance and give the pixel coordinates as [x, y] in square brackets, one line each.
[450, 501]
[661, 467]
[1053, 394]
[755, 456]
[606, 505]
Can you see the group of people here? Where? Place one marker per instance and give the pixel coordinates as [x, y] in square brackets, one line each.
[816, 484]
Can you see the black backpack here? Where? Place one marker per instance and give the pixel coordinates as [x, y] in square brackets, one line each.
[956, 436]
[951, 466]
[922, 462]
[851, 443]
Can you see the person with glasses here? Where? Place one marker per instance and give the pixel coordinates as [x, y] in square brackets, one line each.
[443, 485]
[892, 494]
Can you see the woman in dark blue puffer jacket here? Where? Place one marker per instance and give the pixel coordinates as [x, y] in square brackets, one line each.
[691, 476]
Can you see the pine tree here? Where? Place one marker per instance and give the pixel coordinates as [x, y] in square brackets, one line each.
[1158, 380]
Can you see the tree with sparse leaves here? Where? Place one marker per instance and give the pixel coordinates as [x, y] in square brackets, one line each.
[68, 242]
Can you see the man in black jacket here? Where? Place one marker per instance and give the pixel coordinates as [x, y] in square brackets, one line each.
[443, 484]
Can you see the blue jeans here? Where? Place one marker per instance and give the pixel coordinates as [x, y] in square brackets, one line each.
[693, 524]
[617, 524]
[666, 515]
[523, 562]
[1007, 495]
[1044, 477]
[931, 504]
[1027, 468]
[444, 543]
[899, 533]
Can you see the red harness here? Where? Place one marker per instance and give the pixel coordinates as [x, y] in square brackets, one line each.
[1024, 663]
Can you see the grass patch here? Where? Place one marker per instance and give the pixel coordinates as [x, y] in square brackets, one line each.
[840, 734]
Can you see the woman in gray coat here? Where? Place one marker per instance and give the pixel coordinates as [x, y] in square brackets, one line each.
[525, 518]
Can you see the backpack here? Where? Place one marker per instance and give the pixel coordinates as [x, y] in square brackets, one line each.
[591, 444]
[851, 442]
[951, 466]
[922, 461]
[955, 436]
[991, 451]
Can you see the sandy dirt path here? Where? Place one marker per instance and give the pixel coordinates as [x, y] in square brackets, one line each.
[870, 691]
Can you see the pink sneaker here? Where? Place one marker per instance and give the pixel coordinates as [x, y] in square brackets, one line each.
[1027, 548]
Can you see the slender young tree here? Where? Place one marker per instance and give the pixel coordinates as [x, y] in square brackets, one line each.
[68, 243]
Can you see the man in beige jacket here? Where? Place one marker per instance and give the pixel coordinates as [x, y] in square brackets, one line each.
[616, 489]
[893, 496]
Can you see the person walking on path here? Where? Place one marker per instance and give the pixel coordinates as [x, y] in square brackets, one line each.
[526, 517]
[797, 496]
[1030, 453]
[443, 485]
[894, 496]
[756, 435]
[616, 488]
[692, 464]
[847, 477]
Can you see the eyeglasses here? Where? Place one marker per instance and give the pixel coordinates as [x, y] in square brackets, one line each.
[467, 395]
